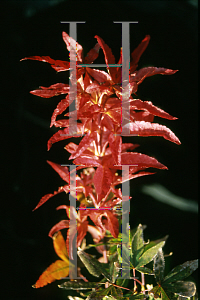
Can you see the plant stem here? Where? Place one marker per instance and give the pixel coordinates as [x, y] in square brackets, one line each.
[143, 283]
[135, 285]
[121, 287]
[134, 278]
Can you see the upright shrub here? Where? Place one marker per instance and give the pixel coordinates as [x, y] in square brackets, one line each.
[100, 156]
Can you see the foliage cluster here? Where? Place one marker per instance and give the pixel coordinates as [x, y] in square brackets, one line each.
[100, 156]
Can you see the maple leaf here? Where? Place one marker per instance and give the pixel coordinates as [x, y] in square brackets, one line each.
[137, 77]
[99, 75]
[109, 57]
[44, 199]
[58, 65]
[64, 174]
[52, 90]
[81, 228]
[137, 104]
[61, 170]
[102, 180]
[98, 84]
[133, 158]
[63, 135]
[71, 44]
[60, 268]
[103, 219]
[142, 128]
[136, 54]
[57, 270]
[94, 96]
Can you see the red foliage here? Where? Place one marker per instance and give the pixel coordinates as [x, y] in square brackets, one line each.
[101, 150]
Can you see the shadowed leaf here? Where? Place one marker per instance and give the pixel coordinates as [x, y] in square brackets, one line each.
[122, 282]
[123, 254]
[93, 265]
[74, 285]
[137, 296]
[182, 288]
[159, 266]
[114, 270]
[145, 270]
[137, 245]
[182, 271]
[110, 293]
[165, 295]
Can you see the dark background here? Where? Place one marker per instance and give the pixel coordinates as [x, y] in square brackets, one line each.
[33, 28]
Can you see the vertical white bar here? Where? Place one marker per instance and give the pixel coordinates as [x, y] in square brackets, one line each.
[72, 224]
[125, 221]
[125, 120]
[72, 79]
[125, 131]
[125, 77]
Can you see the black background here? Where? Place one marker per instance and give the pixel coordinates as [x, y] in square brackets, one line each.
[33, 28]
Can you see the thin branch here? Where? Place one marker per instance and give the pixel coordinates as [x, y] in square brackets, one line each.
[135, 285]
[143, 282]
